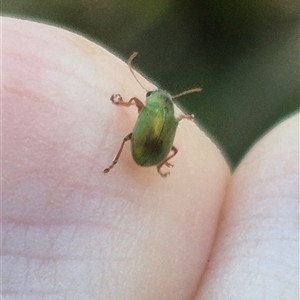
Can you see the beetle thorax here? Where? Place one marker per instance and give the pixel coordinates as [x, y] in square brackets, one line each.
[160, 98]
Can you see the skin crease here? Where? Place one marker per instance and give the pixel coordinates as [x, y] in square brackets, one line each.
[71, 232]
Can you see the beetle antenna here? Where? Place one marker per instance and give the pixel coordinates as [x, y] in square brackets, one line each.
[191, 91]
[131, 58]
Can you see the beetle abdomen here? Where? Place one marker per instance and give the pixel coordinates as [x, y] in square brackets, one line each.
[153, 136]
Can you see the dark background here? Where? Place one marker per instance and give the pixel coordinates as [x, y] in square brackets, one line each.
[244, 54]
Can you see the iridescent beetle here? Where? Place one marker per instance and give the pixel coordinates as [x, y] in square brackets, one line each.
[154, 131]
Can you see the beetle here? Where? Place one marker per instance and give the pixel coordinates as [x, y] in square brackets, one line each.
[154, 132]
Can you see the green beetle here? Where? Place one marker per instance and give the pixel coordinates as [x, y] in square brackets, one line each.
[154, 132]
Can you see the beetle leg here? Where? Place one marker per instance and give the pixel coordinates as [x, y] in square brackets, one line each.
[169, 165]
[118, 100]
[187, 117]
[165, 162]
[126, 139]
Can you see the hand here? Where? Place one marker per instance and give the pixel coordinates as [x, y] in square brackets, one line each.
[72, 232]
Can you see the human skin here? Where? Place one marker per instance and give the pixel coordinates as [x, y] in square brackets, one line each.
[71, 232]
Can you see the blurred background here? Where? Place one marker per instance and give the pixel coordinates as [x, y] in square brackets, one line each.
[243, 53]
